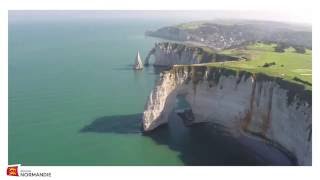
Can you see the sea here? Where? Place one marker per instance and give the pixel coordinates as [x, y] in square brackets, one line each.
[74, 99]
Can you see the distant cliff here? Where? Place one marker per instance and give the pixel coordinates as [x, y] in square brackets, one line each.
[221, 35]
[172, 33]
[269, 108]
[169, 54]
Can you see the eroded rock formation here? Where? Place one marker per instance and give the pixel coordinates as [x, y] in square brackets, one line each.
[256, 105]
[169, 54]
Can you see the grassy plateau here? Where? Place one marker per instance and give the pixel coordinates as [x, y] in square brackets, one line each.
[261, 58]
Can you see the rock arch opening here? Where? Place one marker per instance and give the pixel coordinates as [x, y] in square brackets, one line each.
[262, 107]
[150, 57]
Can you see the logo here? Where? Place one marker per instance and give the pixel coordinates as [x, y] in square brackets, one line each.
[12, 171]
[22, 171]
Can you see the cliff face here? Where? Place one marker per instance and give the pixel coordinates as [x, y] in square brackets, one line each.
[169, 54]
[256, 105]
[172, 33]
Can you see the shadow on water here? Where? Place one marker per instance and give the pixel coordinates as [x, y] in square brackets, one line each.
[128, 67]
[200, 144]
[124, 124]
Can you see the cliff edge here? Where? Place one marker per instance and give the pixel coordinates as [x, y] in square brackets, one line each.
[170, 53]
[269, 108]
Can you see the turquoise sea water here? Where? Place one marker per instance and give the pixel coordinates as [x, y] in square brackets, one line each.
[74, 100]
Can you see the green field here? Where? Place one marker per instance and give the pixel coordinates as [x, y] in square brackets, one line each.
[288, 65]
[190, 25]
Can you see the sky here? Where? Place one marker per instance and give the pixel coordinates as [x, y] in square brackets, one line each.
[179, 15]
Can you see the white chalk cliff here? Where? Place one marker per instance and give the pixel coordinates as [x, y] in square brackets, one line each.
[169, 54]
[257, 105]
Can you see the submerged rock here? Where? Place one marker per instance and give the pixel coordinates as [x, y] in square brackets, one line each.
[186, 115]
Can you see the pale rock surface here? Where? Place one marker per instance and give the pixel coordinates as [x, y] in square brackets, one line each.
[243, 104]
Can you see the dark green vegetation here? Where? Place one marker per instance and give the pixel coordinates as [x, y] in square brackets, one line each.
[281, 47]
[269, 64]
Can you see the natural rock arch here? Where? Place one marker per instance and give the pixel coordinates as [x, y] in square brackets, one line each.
[151, 52]
[256, 105]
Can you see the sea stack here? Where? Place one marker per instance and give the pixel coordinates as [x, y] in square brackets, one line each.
[138, 62]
